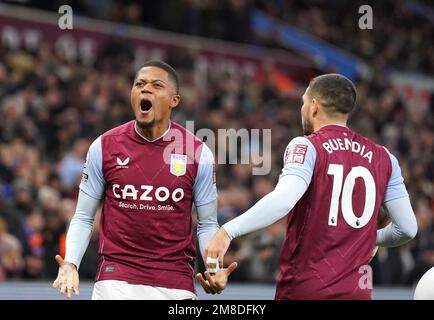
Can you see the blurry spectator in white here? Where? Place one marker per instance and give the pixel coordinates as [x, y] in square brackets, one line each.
[48, 198]
[71, 165]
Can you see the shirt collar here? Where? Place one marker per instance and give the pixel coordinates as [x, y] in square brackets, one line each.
[144, 138]
[332, 125]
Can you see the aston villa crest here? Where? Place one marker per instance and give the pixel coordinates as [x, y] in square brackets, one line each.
[178, 164]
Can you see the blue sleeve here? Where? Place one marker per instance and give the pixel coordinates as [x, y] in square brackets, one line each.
[80, 228]
[403, 227]
[92, 181]
[299, 159]
[207, 224]
[269, 209]
[395, 188]
[204, 189]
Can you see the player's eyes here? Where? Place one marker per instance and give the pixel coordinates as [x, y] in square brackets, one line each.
[139, 84]
[158, 85]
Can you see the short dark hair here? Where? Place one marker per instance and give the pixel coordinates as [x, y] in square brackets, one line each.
[334, 91]
[173, 75]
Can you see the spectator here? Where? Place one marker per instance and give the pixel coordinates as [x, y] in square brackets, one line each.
[11, 261]
[34, 253]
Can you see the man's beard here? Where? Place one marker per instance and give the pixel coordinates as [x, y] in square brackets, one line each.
[145, 125]
[307, 127]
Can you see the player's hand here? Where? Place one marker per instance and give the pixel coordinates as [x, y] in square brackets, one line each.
[67, 278]
[216, 282]
[217, 247]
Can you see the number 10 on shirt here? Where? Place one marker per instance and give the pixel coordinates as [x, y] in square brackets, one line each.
[348, 182]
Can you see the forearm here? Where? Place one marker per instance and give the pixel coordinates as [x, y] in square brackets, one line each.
[403, 227]
[270, 208]
[207, 224]
[80, 228]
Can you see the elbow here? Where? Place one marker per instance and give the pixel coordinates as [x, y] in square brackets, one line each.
[410, 231]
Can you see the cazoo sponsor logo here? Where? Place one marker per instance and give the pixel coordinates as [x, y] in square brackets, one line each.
[147, 193]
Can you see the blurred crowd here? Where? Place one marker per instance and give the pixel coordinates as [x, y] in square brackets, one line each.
[53, 109]
[400, 38]
[410, 48]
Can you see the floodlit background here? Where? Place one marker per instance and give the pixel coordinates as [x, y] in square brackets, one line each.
[243, 64]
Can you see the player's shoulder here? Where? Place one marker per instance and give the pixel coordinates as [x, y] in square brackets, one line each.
[313, 137]
[373, 144]
[300, 142]
[299, 147]
[391, 156]
[383, 155]
[300, 139]
[186, 133]
[119, 130]
[303, 140]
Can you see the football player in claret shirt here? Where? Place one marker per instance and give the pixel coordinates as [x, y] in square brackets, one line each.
[147, 173]
[331, 188]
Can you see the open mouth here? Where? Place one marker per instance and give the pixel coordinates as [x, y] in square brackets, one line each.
[145, 105]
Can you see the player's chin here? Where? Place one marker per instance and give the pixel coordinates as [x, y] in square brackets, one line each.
[145, 123]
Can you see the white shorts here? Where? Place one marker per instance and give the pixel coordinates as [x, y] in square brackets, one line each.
[122, 290]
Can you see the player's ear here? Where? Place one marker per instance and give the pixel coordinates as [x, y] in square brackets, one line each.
[314, 105]
[176, 99]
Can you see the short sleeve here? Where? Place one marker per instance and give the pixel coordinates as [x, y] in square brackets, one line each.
[299, 159]
[204, 189]
[395, 187]
[92, 181]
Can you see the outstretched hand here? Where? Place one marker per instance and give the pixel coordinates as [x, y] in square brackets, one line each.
[216, 282]
[67, 278]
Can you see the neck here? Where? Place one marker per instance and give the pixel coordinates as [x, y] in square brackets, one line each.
[153, 132]
[339, 122]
